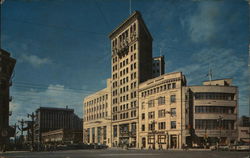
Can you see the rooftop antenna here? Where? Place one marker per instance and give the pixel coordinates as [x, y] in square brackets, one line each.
[1, 2]
[210, 75]
[160, 51]
[129, 7]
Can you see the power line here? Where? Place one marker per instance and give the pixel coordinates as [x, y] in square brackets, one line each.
[102, 14]
[55, 26]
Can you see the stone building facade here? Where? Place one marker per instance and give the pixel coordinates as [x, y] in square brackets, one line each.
[7, 64]
[213, 111]
[147, 108]
[49, 119]
[158, 67]
[162, 112]
[97, 117]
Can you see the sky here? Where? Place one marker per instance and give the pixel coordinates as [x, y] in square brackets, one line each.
[63, 50]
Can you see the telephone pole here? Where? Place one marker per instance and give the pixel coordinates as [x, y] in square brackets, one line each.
[32, 116]
[21, 129]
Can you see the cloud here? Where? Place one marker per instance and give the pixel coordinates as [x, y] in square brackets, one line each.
[55, 95]
[34, 60]
[203, 23]
[225, 63]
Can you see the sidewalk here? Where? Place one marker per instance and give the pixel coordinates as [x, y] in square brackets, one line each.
[7, 152]
[191, 149]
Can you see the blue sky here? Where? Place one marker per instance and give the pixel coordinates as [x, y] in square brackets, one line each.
[63, 50]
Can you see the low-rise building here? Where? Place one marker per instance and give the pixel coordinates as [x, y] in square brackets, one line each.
[213, 111]
[62, 136]
[162, 112]
[50, 118]
[244, 130]
[97, 117]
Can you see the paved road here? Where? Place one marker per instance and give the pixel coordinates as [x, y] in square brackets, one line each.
[125, 154]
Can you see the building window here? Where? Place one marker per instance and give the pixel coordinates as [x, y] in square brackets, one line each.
[104, 132]
[151, 139]
[133, 127]
[161, 100]
[143, 105]
[173, 124]
[169, 86]
[173, 85]
[151, 103]
[143, 116]
[161, 113]
[161, 139]
[151, 126]
[151, 115]
[172, 99]
[162, 125]
[115, 130]
[143, 127]
[173, 112]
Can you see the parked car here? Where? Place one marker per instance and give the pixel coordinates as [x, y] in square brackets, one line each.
[240, 147]
[244, 147]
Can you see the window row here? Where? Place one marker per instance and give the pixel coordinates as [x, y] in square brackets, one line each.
[124, 71]
[124, 36]
[133, 75]
[124, 80]
[124, 98]
[133, 85]
[214, 96]
[124, 89]
[97, 116]
[214, 109]
[96, 108]
[124, 63]
[214, 124]
[158, 89]
[132, 48]
[161, 126]
[97, 100]
[161, 113]
[115, 76]
[161, 101]
[133, 66]
[161, 139]
[125, 106]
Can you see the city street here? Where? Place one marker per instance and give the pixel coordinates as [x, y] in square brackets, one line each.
[126, 153]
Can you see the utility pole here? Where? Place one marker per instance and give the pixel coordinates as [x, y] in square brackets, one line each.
[21, 129]
[32, 116]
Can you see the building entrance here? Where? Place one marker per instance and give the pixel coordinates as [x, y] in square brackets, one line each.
[143, 142]
[173, 141]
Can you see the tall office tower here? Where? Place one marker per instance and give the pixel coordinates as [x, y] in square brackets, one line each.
[131, 45]
[6, 68]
